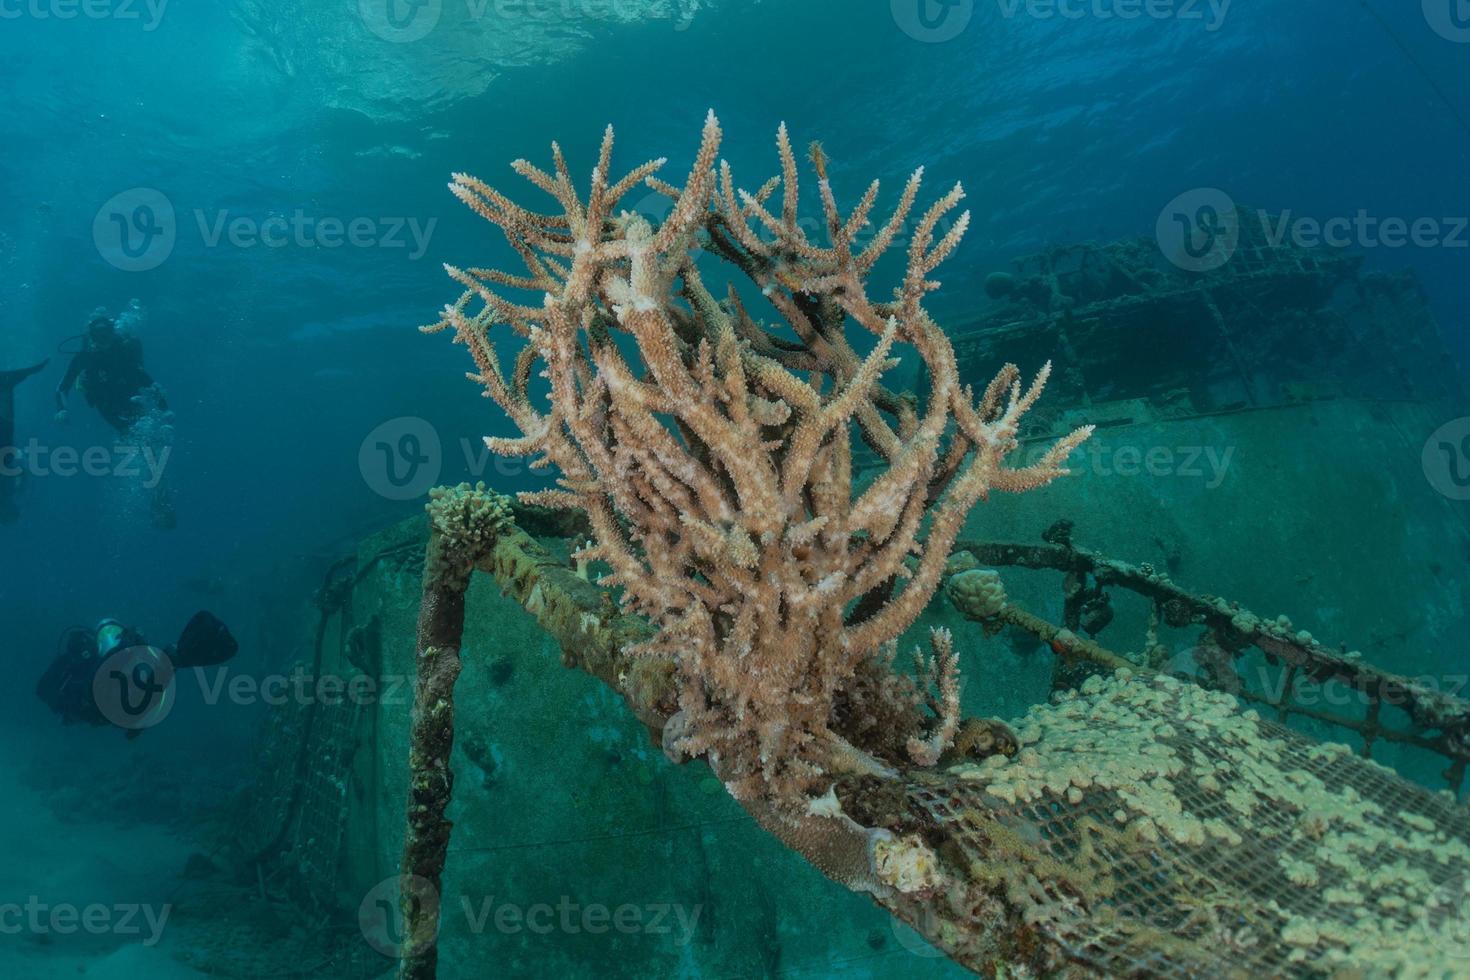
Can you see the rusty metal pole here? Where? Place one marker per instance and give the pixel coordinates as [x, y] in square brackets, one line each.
[431, 780]
[463, 525]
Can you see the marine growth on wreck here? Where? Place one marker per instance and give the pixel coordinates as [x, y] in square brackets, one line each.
[716, 470]
[1007, 519]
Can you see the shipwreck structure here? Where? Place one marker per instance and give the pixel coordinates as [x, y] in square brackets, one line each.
[768, 518]
[1277, 324]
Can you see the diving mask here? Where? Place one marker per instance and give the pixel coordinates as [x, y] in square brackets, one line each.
[109, 636]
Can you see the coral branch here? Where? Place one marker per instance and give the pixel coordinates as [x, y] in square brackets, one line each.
[712, 454]
[943, 674]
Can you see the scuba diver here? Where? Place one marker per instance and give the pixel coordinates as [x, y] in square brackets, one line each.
[109, 368]
[74, 690]
[10, 472]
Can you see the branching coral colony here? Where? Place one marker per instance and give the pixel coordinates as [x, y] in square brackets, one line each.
[715, 466]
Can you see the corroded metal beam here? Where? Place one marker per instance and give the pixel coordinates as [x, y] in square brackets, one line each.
[928, 846]
[464, 524]
[1445, 715]
[595, 637]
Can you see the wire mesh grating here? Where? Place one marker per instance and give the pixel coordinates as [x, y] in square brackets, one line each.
[1150, 828]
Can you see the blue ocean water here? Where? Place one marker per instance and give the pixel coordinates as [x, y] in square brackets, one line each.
[1062, 130]
[266, 179]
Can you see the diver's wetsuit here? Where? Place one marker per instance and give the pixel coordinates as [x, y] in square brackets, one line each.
[67, 684]
[113, 378]
[66, 687]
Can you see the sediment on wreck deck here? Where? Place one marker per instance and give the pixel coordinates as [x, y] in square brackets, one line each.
[998, 872]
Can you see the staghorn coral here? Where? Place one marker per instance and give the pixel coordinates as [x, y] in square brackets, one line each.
[715, 463]
[943, 674]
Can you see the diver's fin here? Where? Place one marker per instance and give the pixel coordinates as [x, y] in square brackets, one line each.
[9, 379]
[205, 642]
